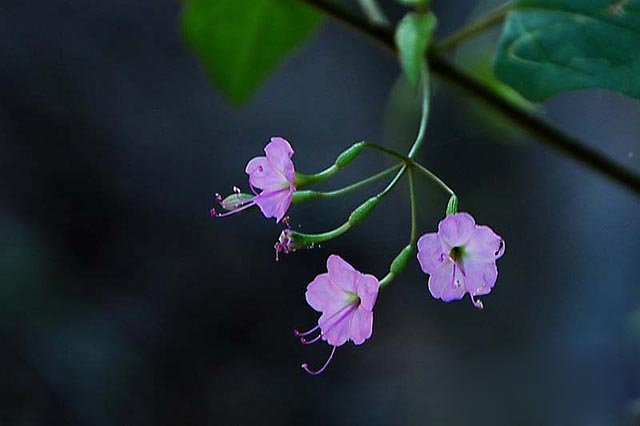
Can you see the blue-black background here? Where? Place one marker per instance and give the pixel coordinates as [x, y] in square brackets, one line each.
[123, 302]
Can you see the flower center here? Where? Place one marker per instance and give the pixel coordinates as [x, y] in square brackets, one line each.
[353, 298]
[457, 253]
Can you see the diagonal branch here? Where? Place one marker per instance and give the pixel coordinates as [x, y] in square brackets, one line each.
[547, 134]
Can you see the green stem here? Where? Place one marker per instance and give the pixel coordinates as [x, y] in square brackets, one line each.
[374, 12]
[485, 22]
[302, 196]
[393, 182]
[434, 178]
[303, 180]
[385, 150]
[401, 260]
[547, 134]
[414, 208]
[426, 99]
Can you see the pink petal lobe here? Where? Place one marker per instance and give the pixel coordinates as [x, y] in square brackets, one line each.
[429, 252]
[481, 276]
[367, 289]
[336, 329]
[279, 154]
[323, 296]
[441, 283]
[456, 229]
[484, 244]
[361, 326]
[262, 175]
[274, 204]
[342, 274]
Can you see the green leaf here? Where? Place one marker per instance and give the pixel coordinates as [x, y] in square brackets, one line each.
[413, 37]
[414, 3]
[554, 46]
[240, 42]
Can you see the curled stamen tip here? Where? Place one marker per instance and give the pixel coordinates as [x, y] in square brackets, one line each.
[306, 368]
[297, 333]
[213, 212]
[236, 190]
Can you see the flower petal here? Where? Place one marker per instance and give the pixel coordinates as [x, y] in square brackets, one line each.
[367, 289]
[430, 252]
[361, 326]
[481, 276]
[323, 296]
[456, 229]
[279, 154]
[441, 283]
[262, 175]
[342, 274]
[336, 329]
[274, 203]
[484, 244]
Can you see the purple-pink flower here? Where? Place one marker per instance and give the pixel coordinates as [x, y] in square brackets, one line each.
[460, 258]
[346, 298]
[275, 176]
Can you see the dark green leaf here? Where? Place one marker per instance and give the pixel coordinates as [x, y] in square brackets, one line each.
[553, 46]
[240, 42]
[413, 36]
[414, 3]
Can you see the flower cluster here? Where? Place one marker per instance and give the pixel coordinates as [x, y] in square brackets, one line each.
[460, 258]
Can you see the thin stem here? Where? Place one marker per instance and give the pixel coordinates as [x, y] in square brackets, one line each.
[402, 259]
[548, 134]
[433, 177]
[495, 17]
[414, 207]
[374, 12]
[424, 118]
[393, 182]
[303, 180]
[362, 183]
[386, 150]
[310, 239]
[300, 196]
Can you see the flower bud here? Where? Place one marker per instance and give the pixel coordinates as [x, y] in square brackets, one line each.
[349, 154]
[235, 200]
[362, 211]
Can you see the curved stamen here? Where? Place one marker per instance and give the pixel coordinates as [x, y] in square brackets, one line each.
[335, 314]
[308, 342]
[454, 283]
[305, 333]
[306, 368]
[214, 213]
[253, 189]
[476, 302]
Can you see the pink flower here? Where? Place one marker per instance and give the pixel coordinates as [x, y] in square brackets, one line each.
[460, 258]
[275, 176]
[346, 298]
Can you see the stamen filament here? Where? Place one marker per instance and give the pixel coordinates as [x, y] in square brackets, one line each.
[306, 333]
[306, 368]
[214, 213]
[309, 342]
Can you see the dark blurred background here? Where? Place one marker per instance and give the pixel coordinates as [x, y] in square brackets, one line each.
[123, 302]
